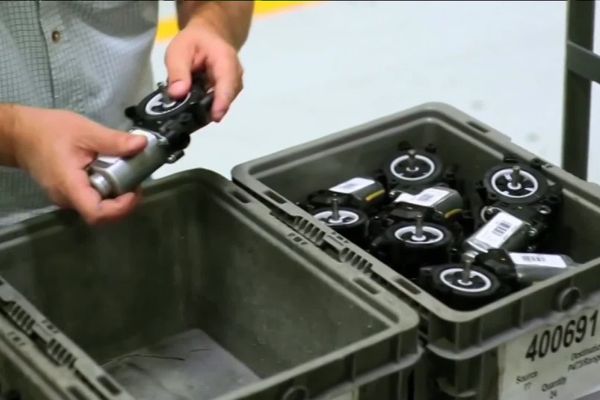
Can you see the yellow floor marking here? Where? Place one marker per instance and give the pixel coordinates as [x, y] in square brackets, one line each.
[167, 28]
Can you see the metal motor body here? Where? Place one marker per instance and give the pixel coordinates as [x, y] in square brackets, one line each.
[167, 125]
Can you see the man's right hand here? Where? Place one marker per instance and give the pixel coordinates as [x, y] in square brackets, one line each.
[56, 146]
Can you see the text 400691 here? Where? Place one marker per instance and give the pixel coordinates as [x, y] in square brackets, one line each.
[554, 339]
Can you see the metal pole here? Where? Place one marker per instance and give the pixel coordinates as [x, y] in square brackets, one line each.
[577, 97]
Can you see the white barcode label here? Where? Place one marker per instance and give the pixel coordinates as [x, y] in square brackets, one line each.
[558, 361]
[426, 198]
[501, 229]
[498, 230]
[545, 260]
[352, 185]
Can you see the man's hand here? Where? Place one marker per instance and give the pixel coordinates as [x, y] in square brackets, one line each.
[211, 36]
[200, 48]
[56, 146]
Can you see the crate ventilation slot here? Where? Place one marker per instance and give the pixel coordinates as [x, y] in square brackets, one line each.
[308, 229]
[21, 318]
[356, 260]
[59, 353]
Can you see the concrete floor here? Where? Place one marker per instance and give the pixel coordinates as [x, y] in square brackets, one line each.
[314, 70]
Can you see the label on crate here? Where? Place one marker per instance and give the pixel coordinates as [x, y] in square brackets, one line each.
[426, 198]
[352, 185]
[498, 230]
[542, 260]
[560, 362]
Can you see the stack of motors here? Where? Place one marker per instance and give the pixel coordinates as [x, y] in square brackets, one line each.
[467, 243]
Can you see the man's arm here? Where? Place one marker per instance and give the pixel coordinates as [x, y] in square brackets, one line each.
[212, 32]
[231, 19]
[7, 128]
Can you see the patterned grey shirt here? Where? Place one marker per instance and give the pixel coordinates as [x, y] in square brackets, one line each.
[91, 57]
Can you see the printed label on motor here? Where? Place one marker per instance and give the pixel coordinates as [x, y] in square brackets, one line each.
[426, 198]
[498, 230]
[560, 362]
[542, 260]
[352, 185]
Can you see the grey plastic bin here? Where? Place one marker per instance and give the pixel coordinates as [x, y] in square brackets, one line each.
[201, 294]
[469, 355]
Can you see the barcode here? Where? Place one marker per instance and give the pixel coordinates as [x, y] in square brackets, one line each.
[547, 260]
[532, 258]
[498, 230]
[352, 185]
[501, 228]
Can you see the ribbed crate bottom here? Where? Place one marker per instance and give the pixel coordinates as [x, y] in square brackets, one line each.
[186, 366]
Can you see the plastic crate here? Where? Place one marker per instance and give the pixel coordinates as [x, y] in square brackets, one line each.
[469, 355]
[200, 294]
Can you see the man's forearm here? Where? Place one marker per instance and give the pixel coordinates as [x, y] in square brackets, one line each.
[231, 19]
[7, 133]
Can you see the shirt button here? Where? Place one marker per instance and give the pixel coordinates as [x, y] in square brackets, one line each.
[55, 36]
